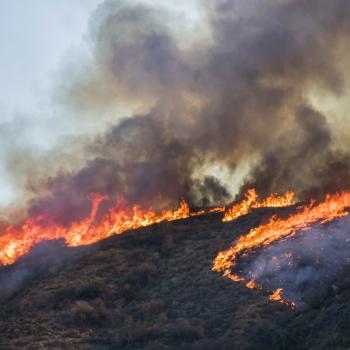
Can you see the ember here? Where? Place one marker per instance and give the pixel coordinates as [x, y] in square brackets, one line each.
[277, 296]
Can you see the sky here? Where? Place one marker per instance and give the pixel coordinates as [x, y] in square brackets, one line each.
[35, 37]
[37, 40]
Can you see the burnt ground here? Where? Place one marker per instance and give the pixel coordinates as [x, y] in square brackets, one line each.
[153, 288]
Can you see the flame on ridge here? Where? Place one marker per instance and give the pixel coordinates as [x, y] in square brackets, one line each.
[16, 241]
[251, 202]
[333, 207]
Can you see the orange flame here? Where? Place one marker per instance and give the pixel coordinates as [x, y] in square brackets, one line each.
[16, 241]
[251, 202]
[277, 296]
[252, 285]
[276, 229]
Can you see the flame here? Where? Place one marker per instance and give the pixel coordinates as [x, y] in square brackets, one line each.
[333, 207]
[16, 241]
[252, 285]
[208, 211]
[277, 296]
[251, 202]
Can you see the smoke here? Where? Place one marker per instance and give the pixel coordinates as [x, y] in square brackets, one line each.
[46, 258]
[12, 281]
[242, 92]
[311, 165]
[309, 267]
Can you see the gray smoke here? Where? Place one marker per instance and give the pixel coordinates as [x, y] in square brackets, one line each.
[46, 258]
[12, 281]
[242, 94]
[309, 267]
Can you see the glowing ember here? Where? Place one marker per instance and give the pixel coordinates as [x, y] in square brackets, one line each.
[251, 202]
[276, 229]
[251, 285]
[277, 296]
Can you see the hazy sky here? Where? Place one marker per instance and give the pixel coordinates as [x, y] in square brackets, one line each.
[35, 36]
[37, 39]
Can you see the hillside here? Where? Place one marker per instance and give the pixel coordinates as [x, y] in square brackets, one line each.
[153, 288]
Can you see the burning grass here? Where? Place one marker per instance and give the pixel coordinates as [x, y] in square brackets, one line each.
[251, 202]
[236, 263]
[152, 288]
[279, 230]
[16, 241]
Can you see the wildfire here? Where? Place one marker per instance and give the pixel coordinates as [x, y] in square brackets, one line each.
[252, 285]
[333, 207]
[277, 296]
[15, 241]
[251, 202]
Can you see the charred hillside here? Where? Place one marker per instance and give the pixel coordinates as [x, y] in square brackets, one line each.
[153, 288]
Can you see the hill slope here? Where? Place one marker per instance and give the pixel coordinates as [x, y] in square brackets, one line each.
[153, 288]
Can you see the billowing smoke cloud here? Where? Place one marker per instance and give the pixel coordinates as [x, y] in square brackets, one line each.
[309, 267]
[241, 94]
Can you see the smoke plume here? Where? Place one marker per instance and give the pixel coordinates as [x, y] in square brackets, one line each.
[240, 94]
